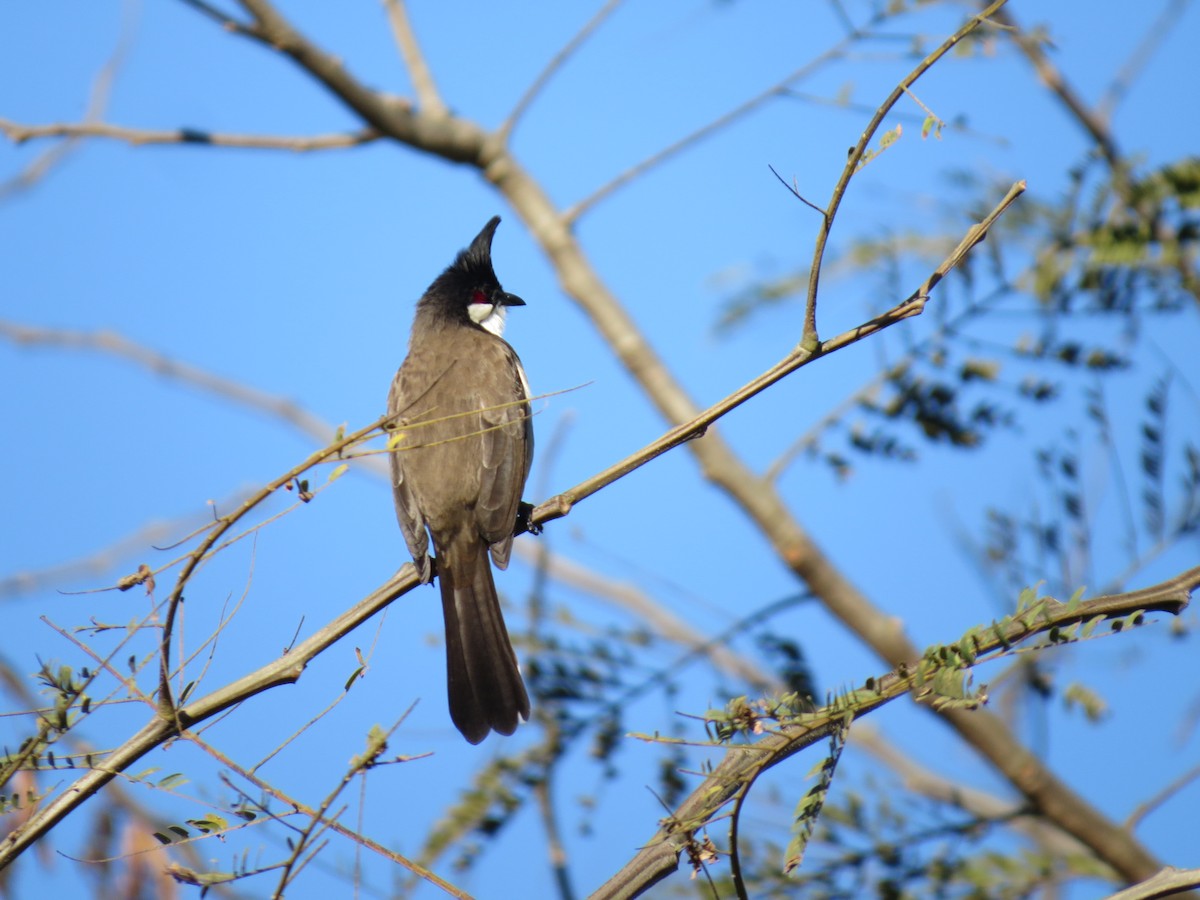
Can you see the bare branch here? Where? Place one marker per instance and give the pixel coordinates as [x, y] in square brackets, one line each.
[293, 803]
[696, 426]
[118, 345]
[97, 103]
[1170, 882]
[19, 133]
[1171, 790]
[334, 450]
[419, 73]
[810, 337]
[100, 561]
[226, 21]
[556, 63]
[795, 192]
[636, 603]
[571, 215]
[976, 802]
[1053, 79]
[1142, 54]
[285, 670]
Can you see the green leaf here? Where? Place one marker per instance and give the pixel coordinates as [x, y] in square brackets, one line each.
[1076, 599]
[210, 823]
[1090, 625]
[1027, 597]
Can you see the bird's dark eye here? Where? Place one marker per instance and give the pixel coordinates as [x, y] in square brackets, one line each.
[479, 296]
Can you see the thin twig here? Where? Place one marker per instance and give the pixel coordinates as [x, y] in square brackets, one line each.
[1053, 79]
[294, 804]
[556, 63]
[97, 104]
[100, 561]
[321, 820]
[197, 556]
[573, 214]
[853, 161]
[161, 364]
[1171, 790]
[227, 22]
[913, 305]
[1140, 57]
[795, 192]
[19, 133]
[414, 60]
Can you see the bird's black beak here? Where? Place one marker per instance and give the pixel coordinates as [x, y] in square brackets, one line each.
[506, 299]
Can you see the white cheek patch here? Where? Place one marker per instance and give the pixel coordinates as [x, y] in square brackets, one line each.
[488, 316]
[480, 311]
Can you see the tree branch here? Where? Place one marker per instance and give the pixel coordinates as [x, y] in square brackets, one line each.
[410, 49]
[1052, 78]
[659, 856]
[161, 364]
[97, 103]
[1169, 882]
[698, 424]
[19, 133]
[854, 160]
[573, 213]
[556, 63]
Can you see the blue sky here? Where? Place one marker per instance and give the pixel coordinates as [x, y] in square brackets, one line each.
[296, 273]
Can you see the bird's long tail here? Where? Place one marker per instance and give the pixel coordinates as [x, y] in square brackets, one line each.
[485, 686]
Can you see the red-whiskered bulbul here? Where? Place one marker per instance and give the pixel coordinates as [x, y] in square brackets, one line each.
[463, 445]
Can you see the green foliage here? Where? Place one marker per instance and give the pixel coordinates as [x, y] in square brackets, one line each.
[1092, 704]
[209, 824]
[886, 139]
[1128, 248]
[942, 677]
[808, 810]
[18, 800]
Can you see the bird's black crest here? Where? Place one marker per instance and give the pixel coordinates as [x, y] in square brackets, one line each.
[478, 257]
[473, 266]
[448, 295]
[471, 269]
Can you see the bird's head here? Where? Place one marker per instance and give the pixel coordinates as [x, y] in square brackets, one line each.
[468, 291]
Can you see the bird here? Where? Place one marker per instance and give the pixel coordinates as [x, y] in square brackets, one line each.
[461, 448]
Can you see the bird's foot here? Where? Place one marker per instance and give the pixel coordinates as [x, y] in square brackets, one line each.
[525, 521]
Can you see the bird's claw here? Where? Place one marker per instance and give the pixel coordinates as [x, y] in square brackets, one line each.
[525, 520]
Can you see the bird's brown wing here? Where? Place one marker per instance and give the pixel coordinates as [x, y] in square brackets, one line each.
[507, 441]
[413, 401]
